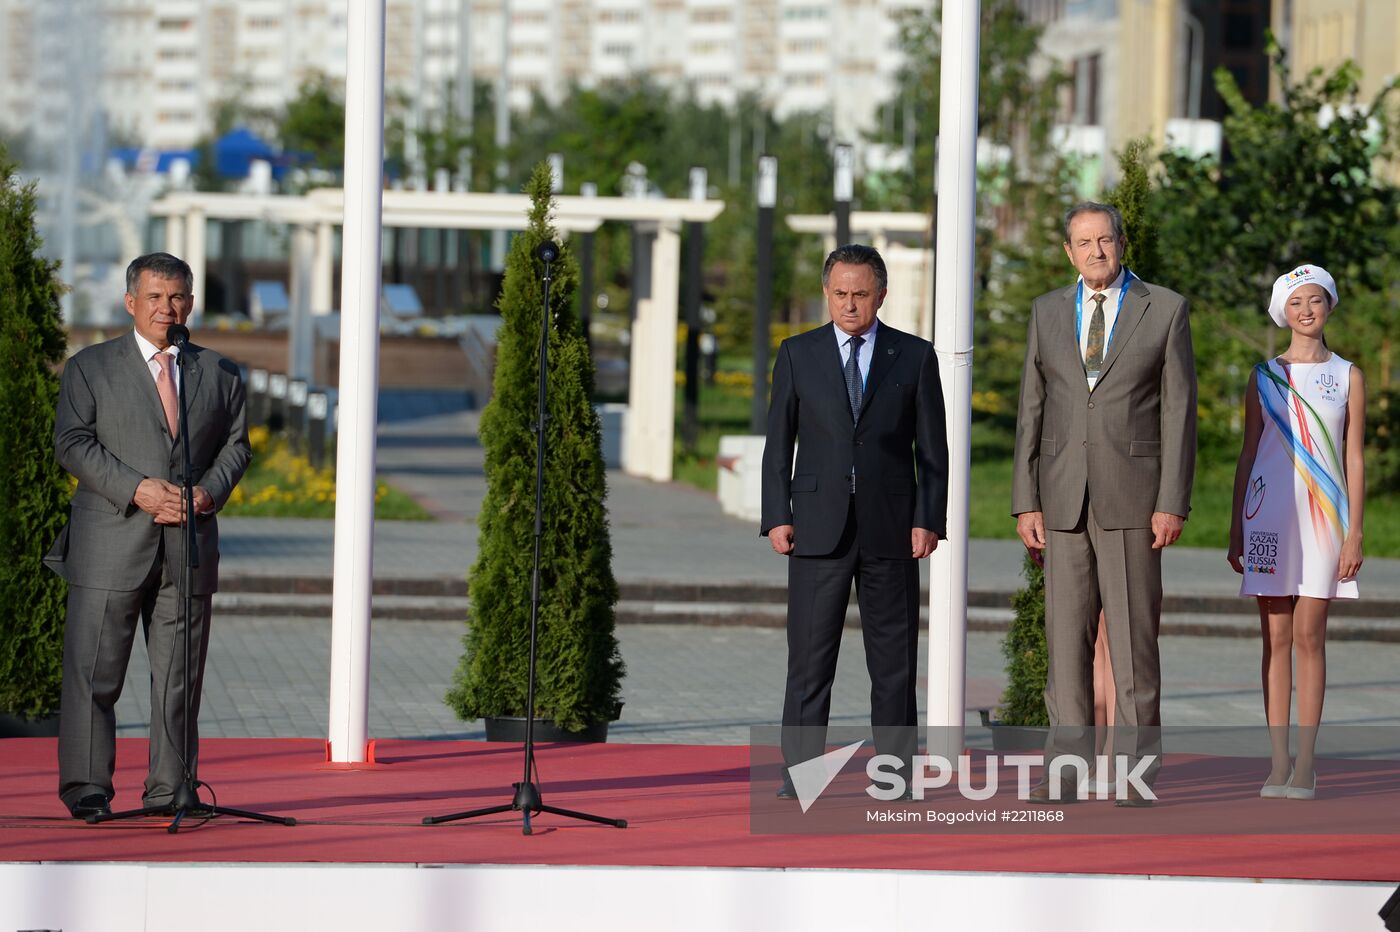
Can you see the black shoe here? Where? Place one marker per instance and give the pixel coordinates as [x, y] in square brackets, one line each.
[787, 790]
[1040, 795]
[93, 804]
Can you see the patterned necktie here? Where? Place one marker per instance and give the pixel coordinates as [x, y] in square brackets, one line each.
[1093, 352]
[165, 387]
[855, 388]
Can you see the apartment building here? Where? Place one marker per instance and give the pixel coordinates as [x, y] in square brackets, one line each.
[1144, 68]
[1326, 33]
[156, 69]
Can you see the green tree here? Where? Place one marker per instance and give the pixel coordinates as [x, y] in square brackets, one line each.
[34, 502]
[1023, 187]
[229, 112]
[1027, 664]
[1017, 102]
[1305, 179]
[314, 122]
[1133, 198]
[580, 669]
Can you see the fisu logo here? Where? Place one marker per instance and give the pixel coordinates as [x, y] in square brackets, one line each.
[1328, 386]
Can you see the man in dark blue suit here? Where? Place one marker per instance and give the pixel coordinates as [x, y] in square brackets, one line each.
[862, 405]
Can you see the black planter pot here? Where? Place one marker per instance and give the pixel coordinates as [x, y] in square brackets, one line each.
[512, 728]
[12, 726]
[1014, 737]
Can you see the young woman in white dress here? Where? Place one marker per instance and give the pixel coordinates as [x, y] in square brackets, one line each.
[1295, 535]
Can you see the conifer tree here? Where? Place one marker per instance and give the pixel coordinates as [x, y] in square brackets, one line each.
[34, 496]
[1027, 661]
[579, 667]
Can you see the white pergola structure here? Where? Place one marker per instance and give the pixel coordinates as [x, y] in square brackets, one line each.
[909, 306]
[649, 428]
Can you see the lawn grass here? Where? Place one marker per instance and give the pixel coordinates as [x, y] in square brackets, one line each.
[724, 409]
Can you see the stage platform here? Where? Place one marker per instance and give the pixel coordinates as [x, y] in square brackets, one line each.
[689, 858]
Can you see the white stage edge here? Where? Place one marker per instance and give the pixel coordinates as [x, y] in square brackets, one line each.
[121, 897]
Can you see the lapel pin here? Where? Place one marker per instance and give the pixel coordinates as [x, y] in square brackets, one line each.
[890, 351]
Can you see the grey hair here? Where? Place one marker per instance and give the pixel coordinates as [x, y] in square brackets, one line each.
[1094, 207]
[857, 254]
[161, 265]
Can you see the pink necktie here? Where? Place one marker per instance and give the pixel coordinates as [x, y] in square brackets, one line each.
[165, 386]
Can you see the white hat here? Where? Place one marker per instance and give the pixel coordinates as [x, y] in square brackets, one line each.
[1289, 282]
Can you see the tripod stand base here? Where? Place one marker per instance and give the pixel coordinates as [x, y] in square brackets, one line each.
[528, 803]
[187, 803]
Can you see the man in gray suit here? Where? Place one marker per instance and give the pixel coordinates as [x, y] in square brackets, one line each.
[1105, 452]
[122, 550]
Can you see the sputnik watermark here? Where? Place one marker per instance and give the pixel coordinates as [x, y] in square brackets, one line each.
[934, 771]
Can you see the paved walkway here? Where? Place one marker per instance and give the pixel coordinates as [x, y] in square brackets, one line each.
[269, 660]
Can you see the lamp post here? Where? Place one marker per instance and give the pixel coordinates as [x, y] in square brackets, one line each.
[843, 186]
[763, 297]
[694, 256]
[585, 273]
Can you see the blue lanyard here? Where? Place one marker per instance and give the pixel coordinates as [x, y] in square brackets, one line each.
[1117, 315]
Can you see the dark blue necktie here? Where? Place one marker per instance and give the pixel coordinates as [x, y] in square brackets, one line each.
[855, 388]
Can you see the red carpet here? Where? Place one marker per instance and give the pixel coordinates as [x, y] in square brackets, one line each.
[686, 806]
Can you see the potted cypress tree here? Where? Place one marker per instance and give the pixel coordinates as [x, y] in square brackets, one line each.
[34, 497]
[579, 668]
[1023, 717]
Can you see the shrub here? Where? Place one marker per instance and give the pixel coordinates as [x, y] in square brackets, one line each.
[1023, 702]
[579, 667]
[34, 499]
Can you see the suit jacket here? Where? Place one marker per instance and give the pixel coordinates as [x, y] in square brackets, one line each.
[110, 433]
[1131, 442]
[898, 448]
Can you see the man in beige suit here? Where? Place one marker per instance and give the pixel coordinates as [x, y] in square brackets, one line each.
[1105, 451]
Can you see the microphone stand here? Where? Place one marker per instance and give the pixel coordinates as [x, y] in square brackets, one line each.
[186, 801]
[527, 800]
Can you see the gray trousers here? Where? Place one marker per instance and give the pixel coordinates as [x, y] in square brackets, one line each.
[100, 628]
[1089, 569]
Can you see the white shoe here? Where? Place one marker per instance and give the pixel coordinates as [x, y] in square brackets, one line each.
[1301, 792]
[1277, 790]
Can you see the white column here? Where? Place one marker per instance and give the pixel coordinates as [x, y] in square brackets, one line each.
[323, 269]
[174, 235]
[359, 383]
[651, 412]
[196, 255]
[955, 256]
[300, 339]
[909, 305]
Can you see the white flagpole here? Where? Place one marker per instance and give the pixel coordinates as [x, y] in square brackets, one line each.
[359, 382]
[952, 339]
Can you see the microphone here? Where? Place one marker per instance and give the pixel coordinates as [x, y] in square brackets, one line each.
[177, 335]
[547, 251]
